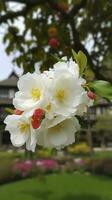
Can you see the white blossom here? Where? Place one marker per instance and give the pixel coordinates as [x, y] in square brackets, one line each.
[31, 92]
[21, 131]
[66, 93]
[58, 132]
[47, 105]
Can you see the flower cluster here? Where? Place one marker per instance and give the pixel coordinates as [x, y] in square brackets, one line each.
[28, 167]
[24, 168]
[46, 107]
[47, 164]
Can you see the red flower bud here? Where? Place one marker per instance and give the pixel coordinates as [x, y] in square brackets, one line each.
[17, 112]
[53, 42]
[37, 118]
[35, 123]
[38, 114]
[91, 95]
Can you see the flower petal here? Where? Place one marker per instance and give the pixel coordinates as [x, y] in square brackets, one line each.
[57, 138]
[19, 139]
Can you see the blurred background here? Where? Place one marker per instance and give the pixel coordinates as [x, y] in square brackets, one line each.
[32, 34]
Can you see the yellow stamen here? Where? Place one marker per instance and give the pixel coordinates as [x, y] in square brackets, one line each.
[48, 107]
[23, 127]
[60, 95]
[35, 93]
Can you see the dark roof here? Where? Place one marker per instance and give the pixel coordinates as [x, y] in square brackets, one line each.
[10, 81]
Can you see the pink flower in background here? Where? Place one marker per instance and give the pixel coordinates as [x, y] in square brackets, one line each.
[47, 163]
[23, 167]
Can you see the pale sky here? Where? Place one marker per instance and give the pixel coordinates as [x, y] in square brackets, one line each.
[5, 63]
[6, 66]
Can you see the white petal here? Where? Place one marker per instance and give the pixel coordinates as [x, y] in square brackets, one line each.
[76, 125]
[74, 68]
[19, 139]
[42, 139]
[53, 122]
[31, 142]
[11, 122]
[57, 138]
[29, 81]
[23, 99]
[24, 103]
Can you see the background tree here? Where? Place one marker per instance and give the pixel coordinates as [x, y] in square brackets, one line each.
[36, 29]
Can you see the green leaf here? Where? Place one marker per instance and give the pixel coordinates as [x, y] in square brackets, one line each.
[102, 88]
[57, 58]
[81, 60]
[75, 55]
[9, 110]
[89, 75]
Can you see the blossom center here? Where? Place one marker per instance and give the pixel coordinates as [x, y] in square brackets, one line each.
[23, 127]
[60, 95]
[35, 93]
[48, 107]
[56, 128]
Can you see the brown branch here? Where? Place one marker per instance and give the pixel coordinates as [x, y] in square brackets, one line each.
[79, 46]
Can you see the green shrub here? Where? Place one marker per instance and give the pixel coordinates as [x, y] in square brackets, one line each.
[100, 166]
[7, 160]
[44, 153]
[6, 170]
[79, 149]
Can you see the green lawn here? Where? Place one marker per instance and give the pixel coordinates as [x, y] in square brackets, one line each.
[103, 154]
[59, 187]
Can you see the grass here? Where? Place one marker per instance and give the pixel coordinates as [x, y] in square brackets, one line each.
[103, 154]
[59, 187]
[10, 155]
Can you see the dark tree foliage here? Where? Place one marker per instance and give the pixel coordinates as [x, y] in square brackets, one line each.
[55, 27]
